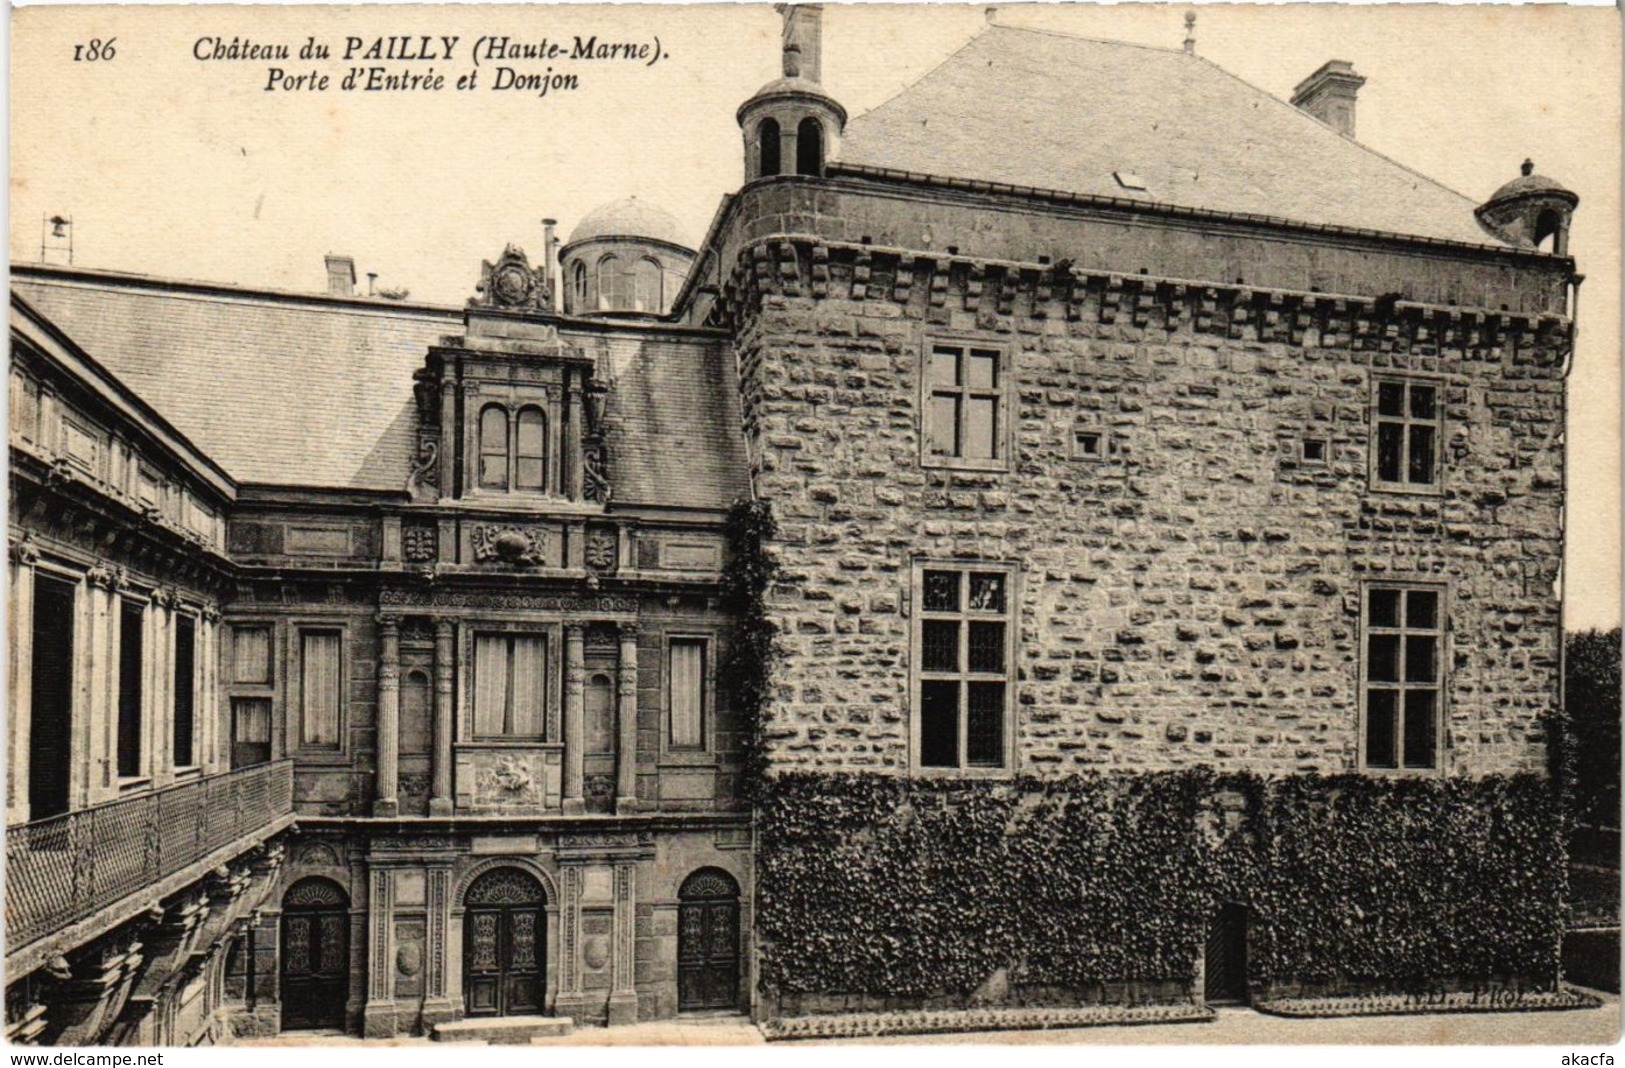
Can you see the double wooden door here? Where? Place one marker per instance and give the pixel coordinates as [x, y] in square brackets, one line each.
[708, 942]
[504, 946]
[315, 956]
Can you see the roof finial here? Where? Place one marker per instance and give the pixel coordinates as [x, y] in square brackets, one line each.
[1528, 167]
[1190, 33]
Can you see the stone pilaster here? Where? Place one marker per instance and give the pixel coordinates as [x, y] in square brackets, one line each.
[623, 997]
[24, 554]
[436, 994]
[571, 1001]
[626, 712]
[389, 715]
[100, 688]
[440, 762]
[378, 1018]
[575, 684]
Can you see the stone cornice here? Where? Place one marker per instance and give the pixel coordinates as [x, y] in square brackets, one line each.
[936, 283]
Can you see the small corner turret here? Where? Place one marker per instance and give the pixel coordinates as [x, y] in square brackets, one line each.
[1531, 211]
[790, 125]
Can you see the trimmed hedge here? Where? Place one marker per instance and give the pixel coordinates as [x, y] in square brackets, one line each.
[926, 888]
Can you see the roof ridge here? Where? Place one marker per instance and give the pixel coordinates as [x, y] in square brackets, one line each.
[1469, 201]
[1092, 40]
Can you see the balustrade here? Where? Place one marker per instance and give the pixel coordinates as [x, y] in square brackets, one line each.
[63, 869]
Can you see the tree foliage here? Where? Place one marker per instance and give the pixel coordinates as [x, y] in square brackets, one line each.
[1592, 700]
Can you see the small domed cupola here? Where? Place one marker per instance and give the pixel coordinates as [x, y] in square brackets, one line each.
[791, 125]
[1529, 211]
[628, 257]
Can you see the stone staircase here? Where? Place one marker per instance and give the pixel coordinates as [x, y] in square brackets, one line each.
[502, 1030]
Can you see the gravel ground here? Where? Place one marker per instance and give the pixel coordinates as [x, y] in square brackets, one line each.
[1239, 1026]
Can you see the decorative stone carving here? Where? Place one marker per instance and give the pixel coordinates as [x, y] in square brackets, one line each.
[425, 474]
[510, 544]
[511, 282]
[595, 470]
[601, 548]
[507, 780]
[109, 578]
[511, 775]
[420, 544]
[601, 605]
[317, 855]
[24, 550]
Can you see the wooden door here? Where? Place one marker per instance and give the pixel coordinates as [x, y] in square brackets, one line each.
[1225, 963]
[315, 955]
[708, 942]
[504, 946]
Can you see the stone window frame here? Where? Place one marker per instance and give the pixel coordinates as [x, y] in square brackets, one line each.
[707, 753]
[552, 635]
[1011, 617]
[293, 672]
[1004, 437]
[252, 690]
[1440, 631]
[1375, 421]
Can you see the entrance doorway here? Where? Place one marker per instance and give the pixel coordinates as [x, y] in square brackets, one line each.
[708, 941]
[504, 945]
[1225, 964]
[50, 718]
[315, 955]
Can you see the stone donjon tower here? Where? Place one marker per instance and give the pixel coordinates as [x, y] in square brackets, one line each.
[1069, 483]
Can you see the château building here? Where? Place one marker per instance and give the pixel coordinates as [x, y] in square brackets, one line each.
[385, 666]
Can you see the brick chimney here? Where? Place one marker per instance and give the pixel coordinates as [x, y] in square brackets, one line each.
[1328, 95]
[340, 276]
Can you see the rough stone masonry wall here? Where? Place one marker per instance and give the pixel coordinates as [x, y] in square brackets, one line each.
[1195, 597]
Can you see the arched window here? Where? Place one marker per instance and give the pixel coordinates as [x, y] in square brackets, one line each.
[494, 447]
[647, 280]
[530, 454]
[767, 140]
[810, 148]
[611, 289]
[1547, 224]
[578, 300]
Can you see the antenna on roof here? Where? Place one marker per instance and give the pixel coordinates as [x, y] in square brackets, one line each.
[1190, 33]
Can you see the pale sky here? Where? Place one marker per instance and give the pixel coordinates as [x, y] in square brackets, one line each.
[186, 169]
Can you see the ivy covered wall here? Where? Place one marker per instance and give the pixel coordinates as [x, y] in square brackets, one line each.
[907, 893]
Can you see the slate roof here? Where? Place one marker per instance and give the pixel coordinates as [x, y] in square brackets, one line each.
[289, 390]
[1052, 111]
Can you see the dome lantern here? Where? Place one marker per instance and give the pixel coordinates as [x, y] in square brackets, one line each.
[627, 257]
[1530, 210]
[790, 125]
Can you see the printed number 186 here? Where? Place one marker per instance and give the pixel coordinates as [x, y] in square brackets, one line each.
[94, 51]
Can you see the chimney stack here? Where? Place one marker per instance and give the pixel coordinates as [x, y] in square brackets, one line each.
[549, 242]
[1328, 95]
[340, 276]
